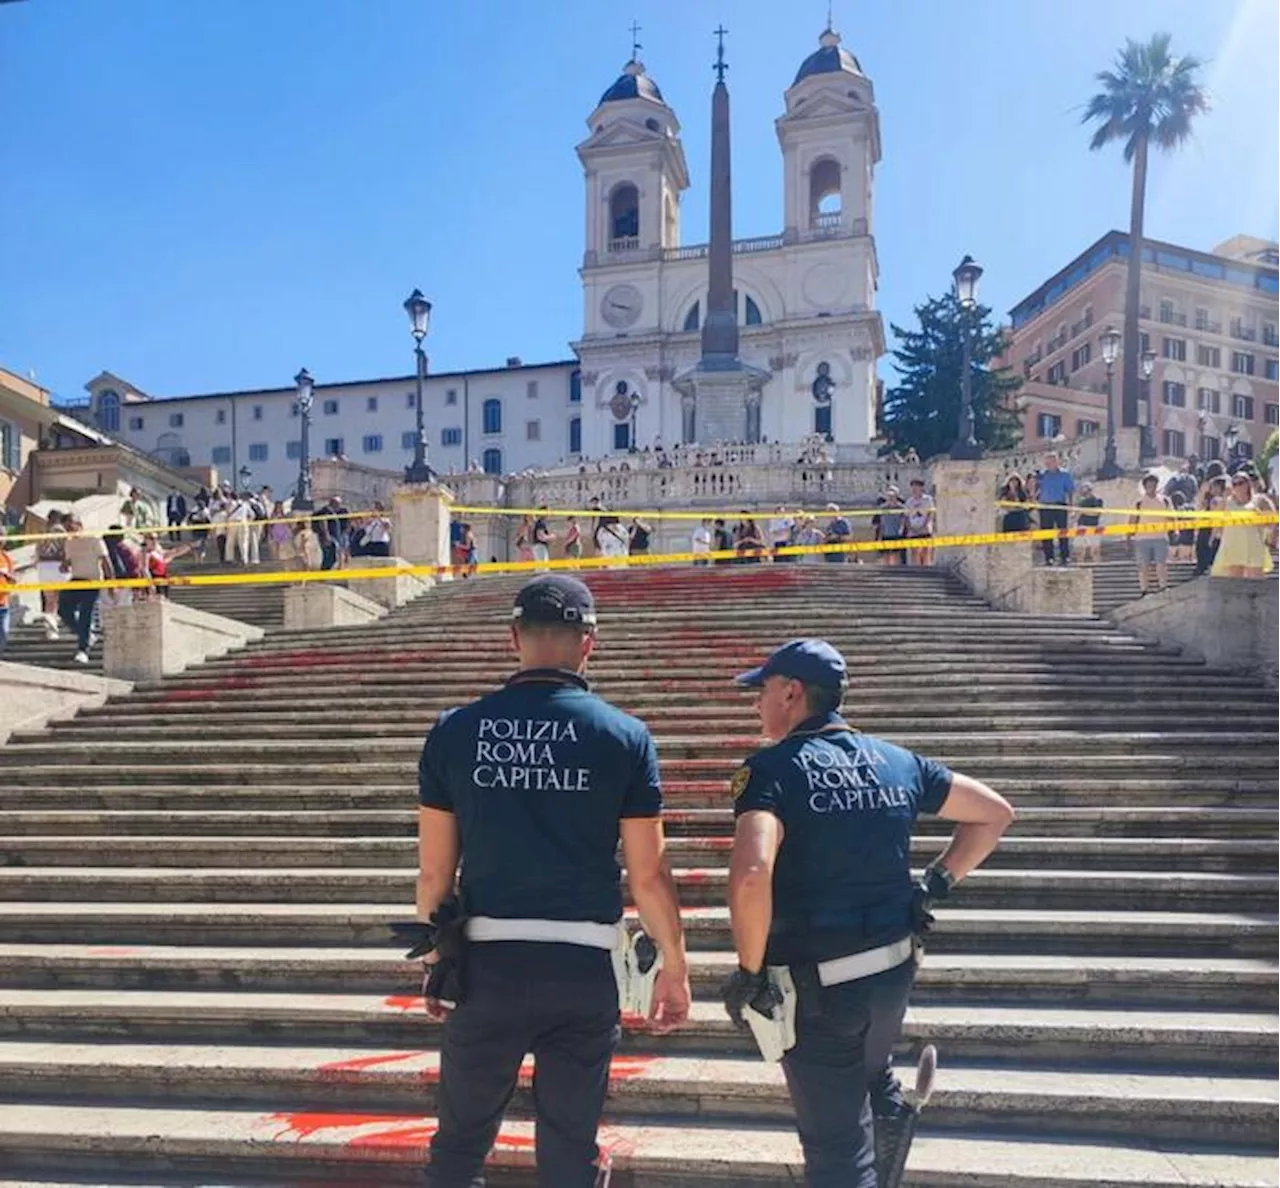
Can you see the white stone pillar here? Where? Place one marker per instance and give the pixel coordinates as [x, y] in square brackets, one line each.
[420, 533]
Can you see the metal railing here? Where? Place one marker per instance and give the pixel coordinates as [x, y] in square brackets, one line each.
[624, 243]
[1172, 318]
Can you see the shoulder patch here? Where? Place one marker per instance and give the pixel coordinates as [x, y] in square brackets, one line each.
[738, 784]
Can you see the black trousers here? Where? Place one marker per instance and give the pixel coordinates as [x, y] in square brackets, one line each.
[844, 1039]
[76, 609]
[1206, 550]
[570, 1027]
[1055, 518]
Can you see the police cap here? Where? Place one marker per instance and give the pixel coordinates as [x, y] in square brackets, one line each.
[555, 599]
[810, 661]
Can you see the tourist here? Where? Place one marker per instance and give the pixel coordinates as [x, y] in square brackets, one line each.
[922, 522]
[279, 535]
[700, 542]
[175, 510]
[50, 554]
[156, 561]
[541, 536]
[126, 562]
[780, 529]
[469, 556]
[242, 532]
[639, 536]
[1018, 518]
[219, 511]
[572, 539]
[524, 539]
[198, 522]
[1245, 549]
[331, 523]
[1183, 483]
[610, 536]
[8, 576]
[1055, 489]
[1091, 544]
[838, 533]
[138, 512]
[747, 539]
[1213, 498]
[808, 535]
[377, 532]
[1182, 542]
[723, 539]
[85, 560]
[1151, 548]
[891, 525]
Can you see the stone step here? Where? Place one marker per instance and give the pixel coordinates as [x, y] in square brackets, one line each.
[1160, 890]
[314, 822]
[382, 1151]
[1021, 849]
[641, 1087]
[1115, 930]
[1005, 1036]
[1229, 983]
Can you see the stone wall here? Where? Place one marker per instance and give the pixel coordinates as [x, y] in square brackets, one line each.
[146, 641]
[34, 696]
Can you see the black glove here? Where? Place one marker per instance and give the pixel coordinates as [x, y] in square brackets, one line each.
[744, 989]
[934, 885]
[446, 935]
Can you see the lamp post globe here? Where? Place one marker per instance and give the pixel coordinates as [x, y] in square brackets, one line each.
[419, 310]
[966, 276]
[304, 386]
[1109, 341]
[635, 408]
[1231, 439]
[1148, 447]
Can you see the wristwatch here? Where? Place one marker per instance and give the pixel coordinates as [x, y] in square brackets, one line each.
[938, 881]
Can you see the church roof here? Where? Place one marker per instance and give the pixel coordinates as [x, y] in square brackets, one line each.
[829, 58]
[633, 83]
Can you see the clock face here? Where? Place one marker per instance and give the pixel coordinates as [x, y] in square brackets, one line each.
[621, 306]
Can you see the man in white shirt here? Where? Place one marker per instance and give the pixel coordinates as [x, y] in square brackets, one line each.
[702, 541]
[780, 532]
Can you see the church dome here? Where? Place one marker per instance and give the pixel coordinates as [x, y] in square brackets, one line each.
[633, 83]
[829, 58]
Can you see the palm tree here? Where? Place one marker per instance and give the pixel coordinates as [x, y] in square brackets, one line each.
[1150, 97]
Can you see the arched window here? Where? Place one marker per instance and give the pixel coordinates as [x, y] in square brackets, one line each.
[109, 411]
[751, 313]
[693, 319]
[575, 386]
[493, 415]
[824, 193]
[493, 461]
[624, 217]
[748, 313]
[822, 420]
[575, 435]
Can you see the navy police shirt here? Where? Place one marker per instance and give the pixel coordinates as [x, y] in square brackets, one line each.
[539, 774]
[847, 802]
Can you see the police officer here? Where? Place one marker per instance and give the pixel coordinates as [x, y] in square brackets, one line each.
[530, 788]
[820, 883]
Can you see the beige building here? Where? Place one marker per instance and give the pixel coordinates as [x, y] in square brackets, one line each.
[1210, 318]
[24, 416]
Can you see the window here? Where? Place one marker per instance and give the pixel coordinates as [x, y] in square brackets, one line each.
[531, 390]
[221, 455]
[1244, 449]
[1080, 356]
[1272, 413]
[1270, 335]
[408, 439]
[492, 413]
[176, 420]
[220, 417]
[533, 431]
[372, 443]
[1176, 349]
[1202, 318]
[1144, 342]
[258, 452]
[135, 423]
[1209, 448]
[257, 412]
[1242, 363]
[109, 411]
[293, 450]
[751, 313]
[622, 435]
[1175, 394]
[334, 447]
[624, 217]
[330, 408]
[370, 404]
[693, 319]
[575, 386]
[411, 400]
[492, 461]
[822, 420]
[1166, 311]
[10, 447]
[1209, 400]
[1207, 356]
[451, 396]
[1242, 407]
[1058, 372]
[448, 437]
[1271, 368]
[575, 435]
[1174, 442]
[1048, 425]
[1086, 428]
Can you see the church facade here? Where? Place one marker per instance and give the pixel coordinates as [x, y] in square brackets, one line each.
[808, 334]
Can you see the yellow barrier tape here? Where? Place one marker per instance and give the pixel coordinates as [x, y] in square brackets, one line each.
[290, 577]
[556, 513]
[1168, 513]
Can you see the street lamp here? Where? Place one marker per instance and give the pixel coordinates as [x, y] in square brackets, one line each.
[419, 310]
[306, 392]
[1231, 439]
[245, 472]
[1148, 446]
[1109, 340]
[635, 408]
[966, 278]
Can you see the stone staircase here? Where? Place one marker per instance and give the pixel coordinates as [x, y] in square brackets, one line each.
[197, 984]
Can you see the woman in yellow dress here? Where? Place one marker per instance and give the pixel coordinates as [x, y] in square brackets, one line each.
[1244, 551]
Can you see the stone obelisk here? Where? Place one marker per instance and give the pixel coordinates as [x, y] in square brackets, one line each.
[721, 394]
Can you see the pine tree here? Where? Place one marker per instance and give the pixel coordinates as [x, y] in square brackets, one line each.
[923, 411]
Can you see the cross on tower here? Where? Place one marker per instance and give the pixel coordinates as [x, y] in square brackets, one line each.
[636, 47]
[829, 24]
[721, 65]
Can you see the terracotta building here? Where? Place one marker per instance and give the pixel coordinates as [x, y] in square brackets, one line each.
[1209, 319]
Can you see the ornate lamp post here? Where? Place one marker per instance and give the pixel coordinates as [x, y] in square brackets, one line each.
[635, 408]
[419, 310]
[306, 393]
[1110, 343]
[966, 278]
[1149, 430]
[1231, 439]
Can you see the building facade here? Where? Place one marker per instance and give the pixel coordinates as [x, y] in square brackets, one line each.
[805, 300]
[1210, 318]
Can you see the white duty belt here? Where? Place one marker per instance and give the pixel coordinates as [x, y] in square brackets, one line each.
[867, 963]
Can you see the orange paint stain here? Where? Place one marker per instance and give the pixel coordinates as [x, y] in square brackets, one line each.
[337, 1068]
[404, 1002]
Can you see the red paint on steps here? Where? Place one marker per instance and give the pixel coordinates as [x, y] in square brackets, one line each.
[337, 1069]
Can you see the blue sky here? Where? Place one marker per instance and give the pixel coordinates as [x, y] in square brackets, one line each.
[207, 195]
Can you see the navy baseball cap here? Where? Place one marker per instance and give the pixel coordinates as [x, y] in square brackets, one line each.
[813, 661]
[555, 598]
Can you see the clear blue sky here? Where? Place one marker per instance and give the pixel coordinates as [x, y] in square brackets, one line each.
[208, 194]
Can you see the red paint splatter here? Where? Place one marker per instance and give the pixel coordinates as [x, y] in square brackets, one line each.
[337, 1068]
[404, 1002]
[625, 1068]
